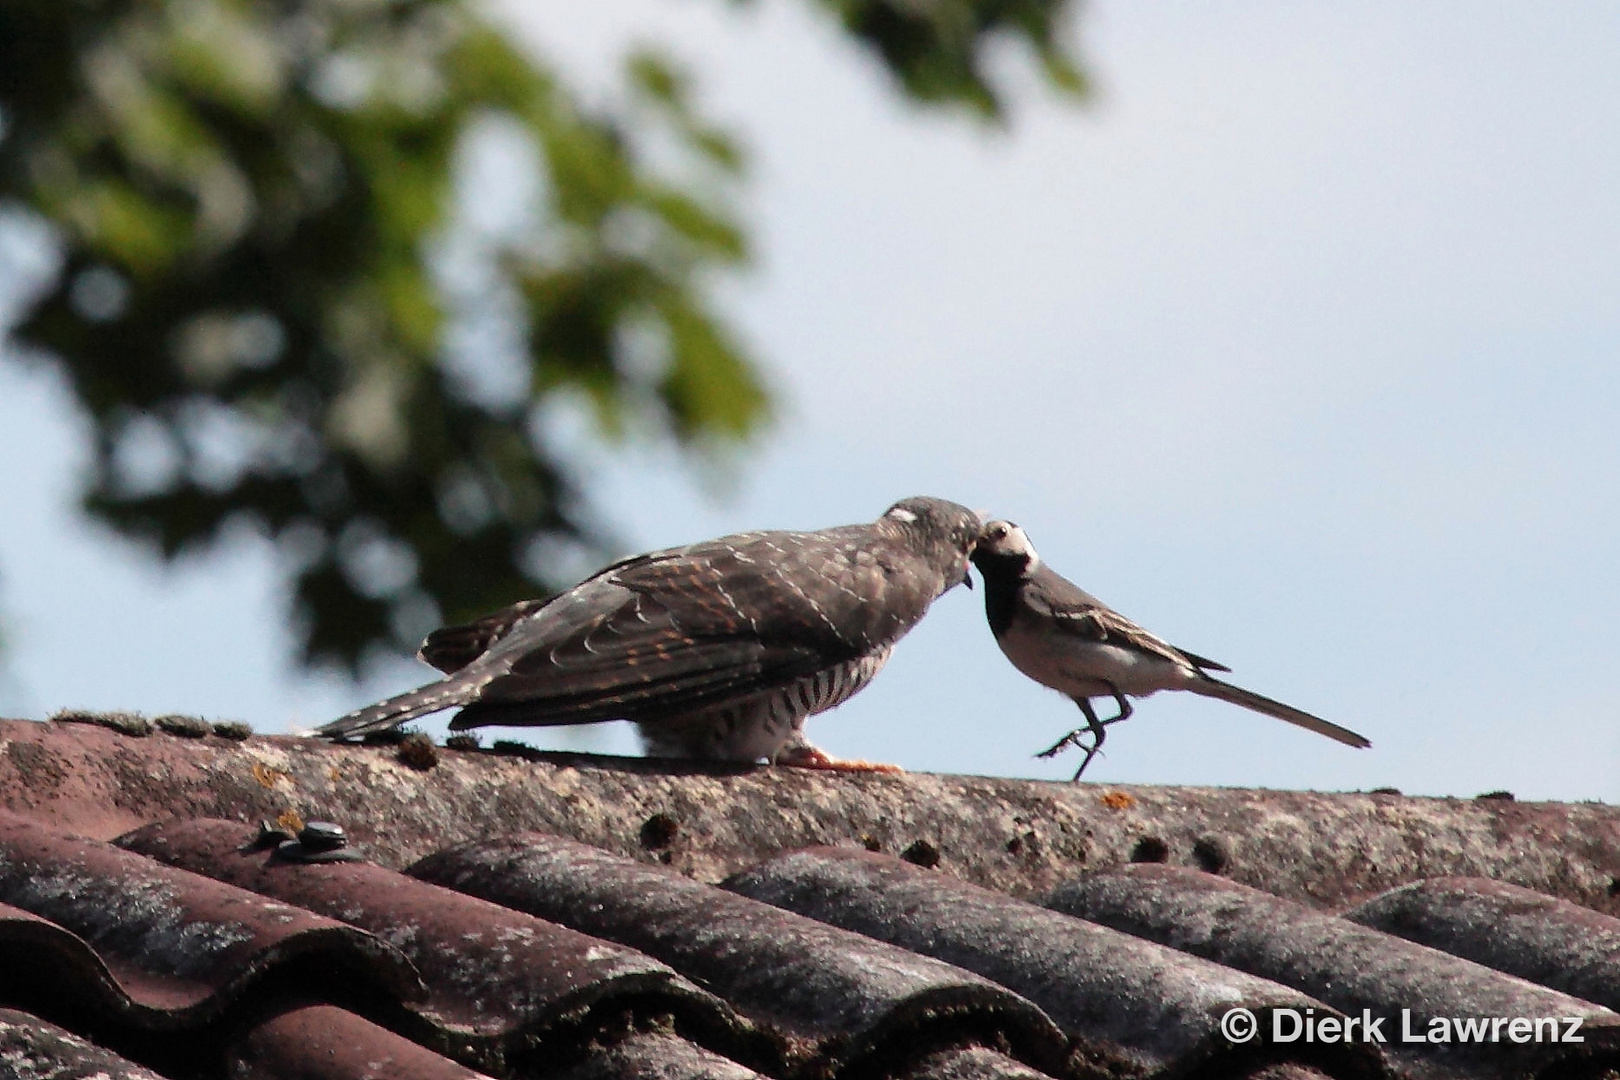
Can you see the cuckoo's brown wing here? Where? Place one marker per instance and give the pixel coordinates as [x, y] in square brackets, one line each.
[664, 634]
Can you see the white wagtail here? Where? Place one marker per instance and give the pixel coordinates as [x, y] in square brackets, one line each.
[1065, 638]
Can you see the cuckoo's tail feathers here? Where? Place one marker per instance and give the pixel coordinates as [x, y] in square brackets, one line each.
[1225, 691]
[394, 711]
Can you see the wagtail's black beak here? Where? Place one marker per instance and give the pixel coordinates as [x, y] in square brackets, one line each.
[967, 578]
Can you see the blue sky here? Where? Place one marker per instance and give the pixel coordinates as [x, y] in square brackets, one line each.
[1297, 344]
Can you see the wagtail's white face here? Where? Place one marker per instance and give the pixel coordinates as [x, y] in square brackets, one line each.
[1005, 545]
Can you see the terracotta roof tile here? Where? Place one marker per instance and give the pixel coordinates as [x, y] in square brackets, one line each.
[829, 996]
[971, 1063]
[31, 1047]
[1540, 938]
[320, 1042]
[1355, 969]
[503, 986]
[164, 947]
[1129, 1002]
[656, 1056]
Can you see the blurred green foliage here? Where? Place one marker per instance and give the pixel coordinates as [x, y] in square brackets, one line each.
[248, 196]
[938, 48]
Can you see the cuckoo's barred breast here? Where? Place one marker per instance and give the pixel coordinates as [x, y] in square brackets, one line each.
[761, 726]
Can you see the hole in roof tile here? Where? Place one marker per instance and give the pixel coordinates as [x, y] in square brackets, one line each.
[870, 842]
[1210, 853]
[921, 853]
[1150, 849]
[659, 831]
[1015, 845]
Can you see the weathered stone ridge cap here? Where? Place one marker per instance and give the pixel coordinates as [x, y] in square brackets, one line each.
[1015, 836]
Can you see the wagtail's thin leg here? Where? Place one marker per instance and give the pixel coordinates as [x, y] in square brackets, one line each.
[1124, 706]
[1097, 729]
